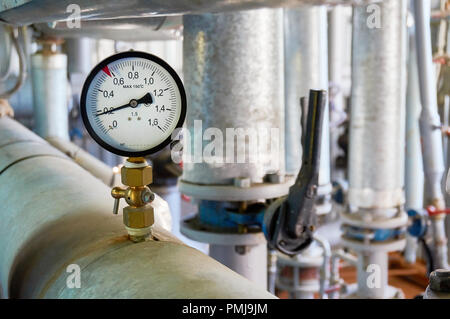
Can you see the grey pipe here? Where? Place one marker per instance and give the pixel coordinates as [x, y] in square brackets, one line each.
[305, 68]
[377, 123]
[325, 267]
[414, 177]
[55, 214]
[90, 163]
[433, 156]
[49, 10]
[50, 87]
[335, 279]
[233, 71]
[119, 29]
[377, 138]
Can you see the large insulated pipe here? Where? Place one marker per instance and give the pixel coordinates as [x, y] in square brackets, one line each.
[56, 217]
[433, 155]
[377, 124]
[50, 85]
[377, 137]
[233, 70]
[89, 162]
[306, 67]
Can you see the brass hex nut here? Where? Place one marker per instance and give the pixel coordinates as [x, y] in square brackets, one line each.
[137, 176]
[138, 217]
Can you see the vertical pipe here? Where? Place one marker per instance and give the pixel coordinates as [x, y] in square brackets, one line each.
[377, 123]
[272, 271]
[377, 134]
[248, 261]
[233, 71]
[79, 54]
[50, 85]
[336, 57]
[306, 67]
[414, 179]
[374, 284]
[433, 157]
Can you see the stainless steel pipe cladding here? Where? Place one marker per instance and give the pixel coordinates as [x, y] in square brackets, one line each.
[306, 68]
[377, 122]
[233, 71]
[55, 214]
[50, 85]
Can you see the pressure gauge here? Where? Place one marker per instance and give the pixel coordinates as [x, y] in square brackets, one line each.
[132, 102]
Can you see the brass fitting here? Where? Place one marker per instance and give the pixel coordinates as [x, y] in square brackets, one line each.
[137, 176]
[134, 196]
[138, 217]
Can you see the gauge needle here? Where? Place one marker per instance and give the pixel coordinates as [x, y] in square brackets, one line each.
[146, 99]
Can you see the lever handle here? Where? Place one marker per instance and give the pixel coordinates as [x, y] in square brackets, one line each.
[116, 206]
[292, 222]
[117, 193]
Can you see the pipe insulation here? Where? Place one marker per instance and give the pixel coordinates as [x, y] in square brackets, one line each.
[50, 10]
[233, 71]
[55, 214]
[50, 87]
[306, 68]
[377, 142]
[377, 119]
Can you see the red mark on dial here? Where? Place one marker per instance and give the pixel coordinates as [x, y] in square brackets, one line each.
[106, 70]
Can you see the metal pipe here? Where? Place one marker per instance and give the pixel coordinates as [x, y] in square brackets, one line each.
[373, 283]
[171, 195]
[119, 29]
[50, 85]
[109, 176]
[377, 140]
[305, 68]
[377, 125]
[20, 50]
[325, 268]
[222, 55]
[272, 271]
[433, 156]
[54, 215]
[414, 177]
[87, 161]
[334, 270]
[49, 11]
[339, 31]
[78, 53]
[247, 260]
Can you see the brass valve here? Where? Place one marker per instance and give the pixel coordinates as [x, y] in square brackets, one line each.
[138, 217]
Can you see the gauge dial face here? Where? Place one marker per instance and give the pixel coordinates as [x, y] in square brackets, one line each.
[132, 102]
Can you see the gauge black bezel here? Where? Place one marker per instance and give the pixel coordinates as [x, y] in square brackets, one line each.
[98, 68]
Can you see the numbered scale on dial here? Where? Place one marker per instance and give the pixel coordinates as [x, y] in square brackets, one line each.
[132, 102]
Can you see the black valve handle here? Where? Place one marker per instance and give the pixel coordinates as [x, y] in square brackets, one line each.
[291, 228]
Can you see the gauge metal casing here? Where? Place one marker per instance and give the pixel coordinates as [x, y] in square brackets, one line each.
[106, 71]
